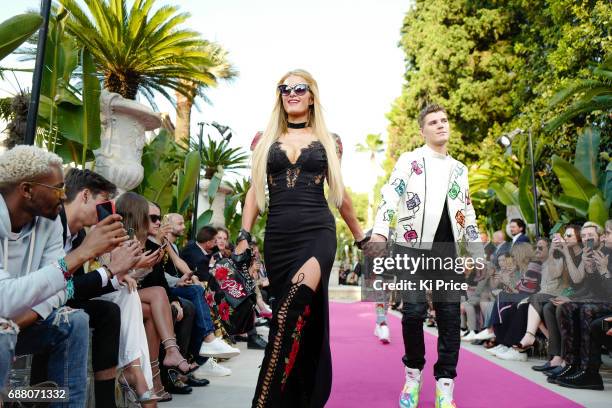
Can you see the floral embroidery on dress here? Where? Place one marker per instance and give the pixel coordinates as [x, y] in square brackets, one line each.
[295, 347]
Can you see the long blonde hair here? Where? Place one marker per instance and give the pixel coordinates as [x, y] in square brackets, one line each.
[277, 125]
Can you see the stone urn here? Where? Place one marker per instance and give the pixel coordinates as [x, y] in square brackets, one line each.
[218, 204]
[124, 123]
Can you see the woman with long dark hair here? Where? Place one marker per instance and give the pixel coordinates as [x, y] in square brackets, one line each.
[293, 158]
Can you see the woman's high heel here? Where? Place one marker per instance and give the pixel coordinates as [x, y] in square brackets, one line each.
[164, 395]
[129, 397]
[523, 349]
[172, 344]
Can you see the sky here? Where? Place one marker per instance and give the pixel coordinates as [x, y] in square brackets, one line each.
[350, 47]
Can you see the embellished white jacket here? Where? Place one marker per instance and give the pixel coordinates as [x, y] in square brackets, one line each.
[406, 193]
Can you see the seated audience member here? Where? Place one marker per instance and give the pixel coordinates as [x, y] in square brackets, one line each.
[204, 343]
[592, 301]
[34, 268]
[156, 310]
[198, 253]
[518, 230]
[567, 254]
[84, 190]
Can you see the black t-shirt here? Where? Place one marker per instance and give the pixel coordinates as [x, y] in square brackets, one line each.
[444, 233]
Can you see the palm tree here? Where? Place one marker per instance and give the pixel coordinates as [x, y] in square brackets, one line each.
[373, 145]
[221, 68]
[595, 95]
[141, 50]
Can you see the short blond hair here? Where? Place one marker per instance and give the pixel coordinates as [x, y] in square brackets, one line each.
[24, 162]
[591, 224]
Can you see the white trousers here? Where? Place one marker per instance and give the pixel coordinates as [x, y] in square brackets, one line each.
[133, 338]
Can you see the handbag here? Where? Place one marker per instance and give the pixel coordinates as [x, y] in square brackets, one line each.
[235, 285]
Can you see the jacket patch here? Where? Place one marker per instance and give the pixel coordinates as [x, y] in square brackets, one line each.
[413, 204]
[417, 167]
[410, 235]
[460, 218]
[455, 191]
[400, 186]
[388, 215]
[472, 232]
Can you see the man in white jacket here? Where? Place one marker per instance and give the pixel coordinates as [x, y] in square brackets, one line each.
[34, 268]
[428, 190]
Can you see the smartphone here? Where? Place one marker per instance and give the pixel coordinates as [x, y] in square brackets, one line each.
[163, 246]
[165, 220]
[590, 243]
[105, 209]
[605, 325]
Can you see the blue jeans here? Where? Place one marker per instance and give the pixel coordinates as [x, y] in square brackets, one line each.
[8, 338]
[203, 324]
[65, 336]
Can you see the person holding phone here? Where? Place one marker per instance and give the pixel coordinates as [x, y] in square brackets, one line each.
[204, 343]
[591, 301]
[35, 271]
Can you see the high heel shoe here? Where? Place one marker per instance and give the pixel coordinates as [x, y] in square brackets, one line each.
[129, 396]
[171, 343]
[164, 395]
[523, 349]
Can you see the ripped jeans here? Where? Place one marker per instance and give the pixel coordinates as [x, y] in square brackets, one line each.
[8, 338]
[64, 334]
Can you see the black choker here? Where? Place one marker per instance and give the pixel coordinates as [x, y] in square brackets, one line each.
[296, 125]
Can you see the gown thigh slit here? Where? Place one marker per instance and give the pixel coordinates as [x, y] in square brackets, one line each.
[296, 370]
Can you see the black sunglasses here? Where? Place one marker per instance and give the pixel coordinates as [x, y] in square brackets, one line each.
[154, 218]
[299, 89]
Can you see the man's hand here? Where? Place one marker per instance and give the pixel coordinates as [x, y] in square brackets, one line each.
[26, 319]
[179, 310]
[375, 247]
[104, 237]
[124, 257]
[601, 262]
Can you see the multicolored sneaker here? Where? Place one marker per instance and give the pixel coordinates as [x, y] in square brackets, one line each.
[409, 398]
[444, 393]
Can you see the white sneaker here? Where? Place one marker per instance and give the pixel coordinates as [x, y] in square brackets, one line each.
[382, 332]
[495, 349]
[218, 348]
[512, 355]
[484, 335]
[470, 336]
[444, 393]
[409, 398]
[501, 350]
[211, 369]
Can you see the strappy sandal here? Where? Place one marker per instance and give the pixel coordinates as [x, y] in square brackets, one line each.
[164, 395]
[129, 396]
[172, 344]
[523, 349]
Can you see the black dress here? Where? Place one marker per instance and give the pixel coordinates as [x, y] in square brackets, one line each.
[296, 370]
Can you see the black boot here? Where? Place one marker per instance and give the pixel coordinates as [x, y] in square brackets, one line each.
[569, 369]
[283, 344]
[588, 379]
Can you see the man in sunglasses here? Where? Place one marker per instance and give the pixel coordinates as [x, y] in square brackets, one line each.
[84, 190]
[35, 268]
[429, 191]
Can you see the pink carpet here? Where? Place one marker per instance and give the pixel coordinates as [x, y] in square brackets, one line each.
[368, 374]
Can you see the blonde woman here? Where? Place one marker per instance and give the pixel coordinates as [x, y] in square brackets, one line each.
[294, 157]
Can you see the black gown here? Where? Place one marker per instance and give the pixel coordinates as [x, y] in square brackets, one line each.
[296, 370]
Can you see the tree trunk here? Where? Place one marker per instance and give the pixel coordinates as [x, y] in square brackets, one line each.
[183, 118]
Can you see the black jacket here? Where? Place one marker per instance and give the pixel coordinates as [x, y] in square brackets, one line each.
[86, 285]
